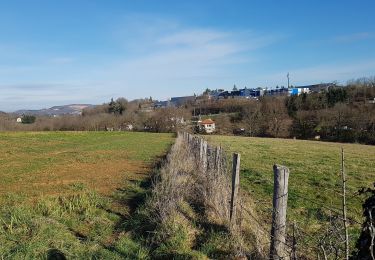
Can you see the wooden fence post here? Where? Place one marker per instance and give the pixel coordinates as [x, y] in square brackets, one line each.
[210, 157]
[204, 155]
[196, 147]
[280, 199]
[235, 185]
[200, 141]
[218, 159]
[344, 204]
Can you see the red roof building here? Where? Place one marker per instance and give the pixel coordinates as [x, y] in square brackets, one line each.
[207, 122]
[207, 125]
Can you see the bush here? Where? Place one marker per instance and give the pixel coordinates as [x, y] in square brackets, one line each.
[28, 119]
[365, 241]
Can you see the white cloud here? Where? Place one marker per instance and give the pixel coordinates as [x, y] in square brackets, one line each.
[193, 37]
[355, 37]
[43, 95]
[155, 57]
[188, 54]
[323, 73]
[61, 60]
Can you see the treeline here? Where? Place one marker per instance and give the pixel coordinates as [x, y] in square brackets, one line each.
[344, 114]
[116, 115]
[340, 114]
[206, 106]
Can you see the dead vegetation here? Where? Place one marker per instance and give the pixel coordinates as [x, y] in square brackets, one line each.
[187, 212]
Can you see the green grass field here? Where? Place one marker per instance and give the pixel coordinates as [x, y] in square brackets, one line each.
[314, 174]
[72, 192]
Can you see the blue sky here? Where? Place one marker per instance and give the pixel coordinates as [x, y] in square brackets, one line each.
[87, 51]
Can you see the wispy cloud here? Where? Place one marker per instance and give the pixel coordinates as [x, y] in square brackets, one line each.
[43, 95]
[154, 56]
[61, 60]
[355, 37]
[193, 37]
[324, 73]
[29, 87]
[182, 56]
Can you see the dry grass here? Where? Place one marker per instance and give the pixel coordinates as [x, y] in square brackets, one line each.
[73, 191]
[188, 209]
[36, 164]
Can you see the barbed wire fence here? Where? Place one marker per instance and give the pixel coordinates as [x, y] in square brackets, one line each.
[286, 239]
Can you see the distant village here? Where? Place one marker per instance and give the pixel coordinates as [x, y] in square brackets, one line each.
[245, 93]
[206, 125]
[306, 112]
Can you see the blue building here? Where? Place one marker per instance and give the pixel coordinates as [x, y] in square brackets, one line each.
[298, 91]
[180, 101]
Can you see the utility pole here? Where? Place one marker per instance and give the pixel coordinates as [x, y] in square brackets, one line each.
[287, 75]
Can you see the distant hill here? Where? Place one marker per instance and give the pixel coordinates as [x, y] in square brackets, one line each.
[73, 109]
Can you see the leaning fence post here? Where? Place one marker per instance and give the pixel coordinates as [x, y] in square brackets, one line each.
[235, 185]
[280, 199]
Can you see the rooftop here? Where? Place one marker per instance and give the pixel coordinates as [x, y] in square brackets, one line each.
[207, 122]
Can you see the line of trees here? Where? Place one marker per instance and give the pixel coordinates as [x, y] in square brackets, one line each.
[340, 114]
[345, 114]
[116, 115]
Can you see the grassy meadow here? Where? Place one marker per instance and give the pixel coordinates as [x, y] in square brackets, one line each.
[72, 192]
[314, 175]
[77, 193]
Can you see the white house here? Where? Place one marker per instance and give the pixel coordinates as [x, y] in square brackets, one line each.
[207, 126]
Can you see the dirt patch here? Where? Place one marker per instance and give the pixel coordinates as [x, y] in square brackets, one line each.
[103, 177]
[38, 164]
